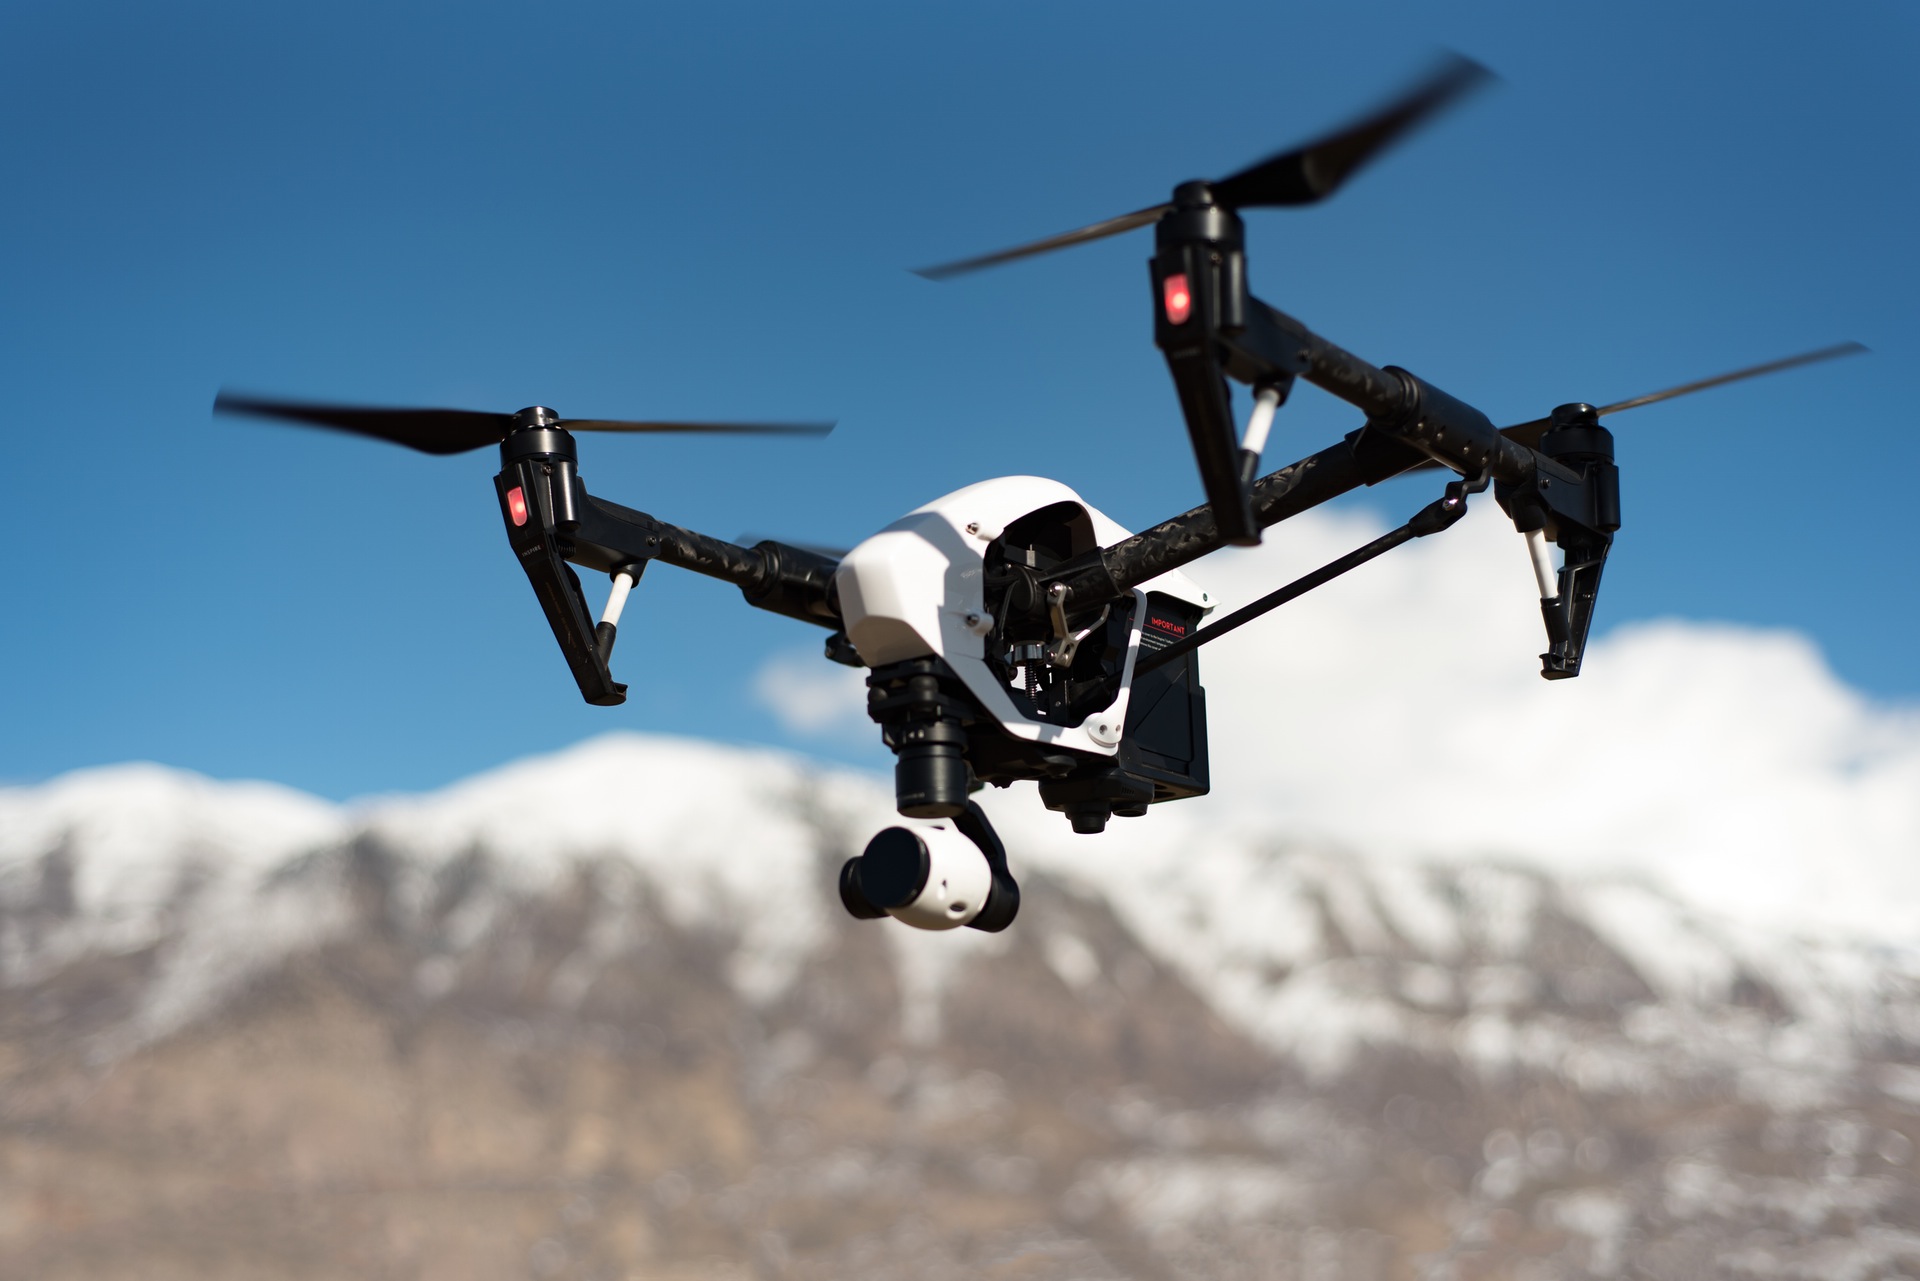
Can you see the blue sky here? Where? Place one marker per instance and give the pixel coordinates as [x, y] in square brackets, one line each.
[643, 211]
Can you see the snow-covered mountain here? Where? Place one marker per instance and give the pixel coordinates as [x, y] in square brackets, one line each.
[611, 993]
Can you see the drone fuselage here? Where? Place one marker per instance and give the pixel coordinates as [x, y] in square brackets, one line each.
[969, 688]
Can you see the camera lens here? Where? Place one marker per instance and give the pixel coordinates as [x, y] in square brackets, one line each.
[853, 894]
[930, 776]
[894, 868]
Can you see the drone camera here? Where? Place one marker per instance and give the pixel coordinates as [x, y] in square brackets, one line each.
[933, 876]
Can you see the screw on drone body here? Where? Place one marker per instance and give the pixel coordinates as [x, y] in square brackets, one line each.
[973, 527]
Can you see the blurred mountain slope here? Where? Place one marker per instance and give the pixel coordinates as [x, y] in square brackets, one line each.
[597, 1015]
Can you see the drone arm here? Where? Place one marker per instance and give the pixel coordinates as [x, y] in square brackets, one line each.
[551, 520]
[1409, 421]
[797, 583]
[772, 576]
[609, 536]
[1114, 571]
[1402, 409]
[1363, 458]
[1335, 370]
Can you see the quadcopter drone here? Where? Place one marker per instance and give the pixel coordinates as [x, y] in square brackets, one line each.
[1010, 631]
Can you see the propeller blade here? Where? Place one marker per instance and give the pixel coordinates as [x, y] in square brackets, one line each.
[1315, 171]
[1529, 433]
[455, 431]
[1772, 366]
[431, 431]
[711, 429]
[1296, 177]
[1066, 239]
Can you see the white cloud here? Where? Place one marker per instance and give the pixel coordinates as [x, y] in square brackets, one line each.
[1400, 709]
[812, 697]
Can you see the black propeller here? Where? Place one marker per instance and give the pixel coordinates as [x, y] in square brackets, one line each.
[1529, 433]
[455, 431]
[1301, 176]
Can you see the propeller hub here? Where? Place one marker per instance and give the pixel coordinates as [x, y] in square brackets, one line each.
[1578, 414]
[1193, 195]
[535, 432]
[535, 416]
[1202, 223]
[1576, 436]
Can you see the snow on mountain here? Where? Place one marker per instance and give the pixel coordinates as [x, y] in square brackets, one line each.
[1318, 953]
[133, 858]
[1325, 955]
[137, 823]
[720, 835]
[1400, 709]
[618, 976]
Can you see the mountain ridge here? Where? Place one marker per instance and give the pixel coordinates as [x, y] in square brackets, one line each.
[1197, 1047]
[118, 841]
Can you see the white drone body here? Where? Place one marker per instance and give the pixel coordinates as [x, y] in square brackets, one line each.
[918, 597]
[916, 589]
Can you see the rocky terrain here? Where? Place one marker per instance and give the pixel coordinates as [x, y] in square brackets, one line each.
[597, 1015]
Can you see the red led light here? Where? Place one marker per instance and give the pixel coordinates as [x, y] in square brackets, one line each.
[1178, 299]
[517, 505]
